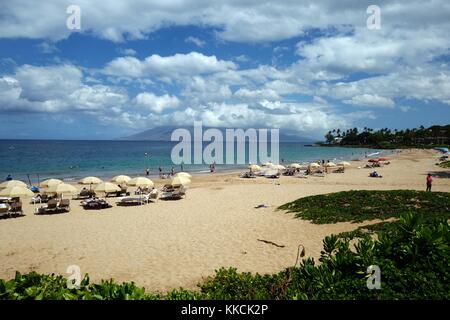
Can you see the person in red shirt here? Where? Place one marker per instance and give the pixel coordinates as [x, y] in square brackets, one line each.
[429, 182]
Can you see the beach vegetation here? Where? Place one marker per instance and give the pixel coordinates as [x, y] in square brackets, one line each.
[413, 257]
[385, 138]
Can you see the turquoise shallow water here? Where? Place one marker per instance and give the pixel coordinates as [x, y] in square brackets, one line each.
[74, 159]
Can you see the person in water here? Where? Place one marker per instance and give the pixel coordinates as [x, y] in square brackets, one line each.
[429, 182]
[9, 177]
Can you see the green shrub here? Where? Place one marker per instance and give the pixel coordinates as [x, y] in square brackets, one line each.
[362, 205]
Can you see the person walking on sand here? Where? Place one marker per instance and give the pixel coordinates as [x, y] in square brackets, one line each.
[429, 182]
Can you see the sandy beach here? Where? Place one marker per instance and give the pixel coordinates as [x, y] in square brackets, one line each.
[170, 244]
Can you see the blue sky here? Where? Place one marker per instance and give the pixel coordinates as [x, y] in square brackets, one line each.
[310, 66]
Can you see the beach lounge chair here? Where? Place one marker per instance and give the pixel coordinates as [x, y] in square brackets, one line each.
[51, 207]
[96, 204]
[64, 205]
[84, 194]
[4, 210]
[154, 195]
[247, 175]
[131, 201]
[16, 208]
[173, 193]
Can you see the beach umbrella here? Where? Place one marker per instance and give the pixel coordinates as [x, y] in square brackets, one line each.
[50, 182]
[16, 191]
[330, 164]
[183, 174]
[344, 164]
[254, 167]
[295, 165]
[120, 179]
[90, 180]
[61, 188]
[278, 167]
[180, 181]
[383, 159]
[106, 187]
[314, 165]
[140, 182]
[267, 164]
[12, 183]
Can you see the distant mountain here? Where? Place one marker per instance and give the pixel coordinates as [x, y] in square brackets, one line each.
[164, 133]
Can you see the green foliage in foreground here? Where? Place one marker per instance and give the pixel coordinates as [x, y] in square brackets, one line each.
[363, 205]
[445, 164]
[413, 257]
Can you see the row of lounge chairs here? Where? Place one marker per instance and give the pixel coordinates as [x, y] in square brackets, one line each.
[54, 206]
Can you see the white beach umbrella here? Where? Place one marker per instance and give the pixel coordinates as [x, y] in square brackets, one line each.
[121, 179]
[106, 187]
[16, 191]
[90, 180]
[278, 167]
[330, 164]
[180, 181]
[12, 183]
[183, 174]
[254, 167]
[344, 164]
[50, 182]
[140, 182]
[62, 188]
[314, 165]
[295, 165]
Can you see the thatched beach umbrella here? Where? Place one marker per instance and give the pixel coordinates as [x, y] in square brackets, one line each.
[140, 182]
[50, 182]
[120, 179]
[344, 164]
[180, 181]
[12, 183]
[330, 164]
[16, 191]
[106, 187]
[277, 167]
[183, 174]
[62, 188]
[295, 165]
[90, 180]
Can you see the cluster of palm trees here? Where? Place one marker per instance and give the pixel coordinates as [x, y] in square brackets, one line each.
[386, 137]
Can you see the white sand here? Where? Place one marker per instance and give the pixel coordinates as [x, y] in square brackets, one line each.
[169, 244]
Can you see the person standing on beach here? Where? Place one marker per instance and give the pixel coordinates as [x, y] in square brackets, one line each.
[147, 172]
[160, 171]
[429, 182]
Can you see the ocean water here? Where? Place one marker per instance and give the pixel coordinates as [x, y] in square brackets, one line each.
[70, 160]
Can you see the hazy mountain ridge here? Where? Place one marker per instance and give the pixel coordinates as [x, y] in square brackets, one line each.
[164, 134]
